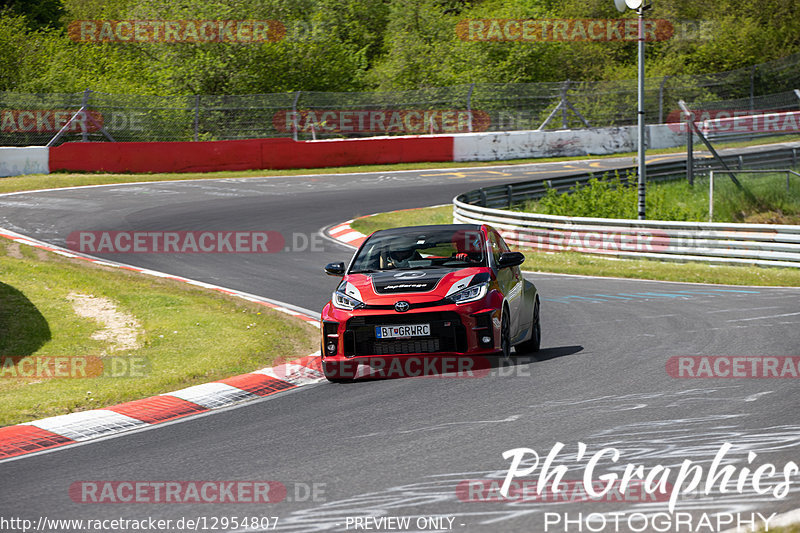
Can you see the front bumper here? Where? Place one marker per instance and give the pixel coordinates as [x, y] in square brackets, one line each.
[460, 330]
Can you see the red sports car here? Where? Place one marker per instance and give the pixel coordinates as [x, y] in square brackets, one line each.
[453, 290]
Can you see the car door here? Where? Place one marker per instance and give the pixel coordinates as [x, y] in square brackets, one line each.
[510, 281]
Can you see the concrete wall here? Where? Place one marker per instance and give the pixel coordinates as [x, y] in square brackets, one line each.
[15, 161]
[494, 146]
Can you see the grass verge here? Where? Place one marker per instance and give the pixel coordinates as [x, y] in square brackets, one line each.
[591, 265]
[62, 179]
[186, 335]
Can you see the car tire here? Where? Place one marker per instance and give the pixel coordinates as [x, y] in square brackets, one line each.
[535, 342]
[505, 334]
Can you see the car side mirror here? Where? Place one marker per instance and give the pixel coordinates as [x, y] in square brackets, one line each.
[510, 259]
[334, 269]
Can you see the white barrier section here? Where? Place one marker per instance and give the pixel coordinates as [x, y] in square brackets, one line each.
[760, 244]
[496, 146]
[666, 136]
[16, 161]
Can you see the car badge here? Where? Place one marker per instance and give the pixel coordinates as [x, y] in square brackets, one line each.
[402, 306]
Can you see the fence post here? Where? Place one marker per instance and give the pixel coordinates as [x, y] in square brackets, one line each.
[510, 193]
[84, 105]
[752, 88]
[469, 105]
[294, 114]
[711, 196]
[196, 116]
[690, 149]
[564, 105]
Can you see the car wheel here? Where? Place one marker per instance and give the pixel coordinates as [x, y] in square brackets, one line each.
[505, 335]
[535, 342]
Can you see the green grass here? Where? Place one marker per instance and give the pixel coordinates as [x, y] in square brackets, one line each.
[188, 335]
[64, 179]
[405, 217]
[763, 198]
[592, 265]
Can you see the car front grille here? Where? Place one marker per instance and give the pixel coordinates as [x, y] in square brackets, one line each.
[405, 346]
[448, 334]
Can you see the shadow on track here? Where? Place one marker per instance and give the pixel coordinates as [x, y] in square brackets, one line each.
[435, 366]
[546, 354]
[23, 329]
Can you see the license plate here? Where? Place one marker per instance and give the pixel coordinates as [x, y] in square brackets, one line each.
[412, 330]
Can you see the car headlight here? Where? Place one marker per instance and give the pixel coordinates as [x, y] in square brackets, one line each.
[470, 294]
[342, 301]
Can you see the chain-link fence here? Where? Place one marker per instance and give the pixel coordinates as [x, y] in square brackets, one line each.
[36, 119]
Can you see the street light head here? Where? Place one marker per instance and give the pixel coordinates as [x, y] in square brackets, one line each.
[620, 5]
[634, 4]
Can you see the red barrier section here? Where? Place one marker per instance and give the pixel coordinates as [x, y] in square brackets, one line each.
[345, 152]
[247, 154]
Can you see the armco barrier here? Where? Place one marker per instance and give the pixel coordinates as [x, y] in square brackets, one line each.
[762, 244]
[246, 154]
[504, 196]
[25, 160]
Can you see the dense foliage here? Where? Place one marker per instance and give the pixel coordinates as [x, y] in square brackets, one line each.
[763, 199]
[346, 45]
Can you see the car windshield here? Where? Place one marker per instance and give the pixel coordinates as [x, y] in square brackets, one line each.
[421, 248]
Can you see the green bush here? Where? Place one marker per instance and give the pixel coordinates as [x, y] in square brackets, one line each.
[763, 200]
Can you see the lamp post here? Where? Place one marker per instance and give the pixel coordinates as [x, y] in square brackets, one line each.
[639, 6]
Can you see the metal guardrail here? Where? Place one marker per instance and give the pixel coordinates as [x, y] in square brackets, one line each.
[505, 196]
[761, 244]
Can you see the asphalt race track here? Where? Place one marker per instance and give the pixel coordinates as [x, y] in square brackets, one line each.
[408, 447]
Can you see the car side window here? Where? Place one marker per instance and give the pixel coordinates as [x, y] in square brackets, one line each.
[496, 248]
[503, 246]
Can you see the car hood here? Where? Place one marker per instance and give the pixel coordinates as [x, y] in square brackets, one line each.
[425, 285]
